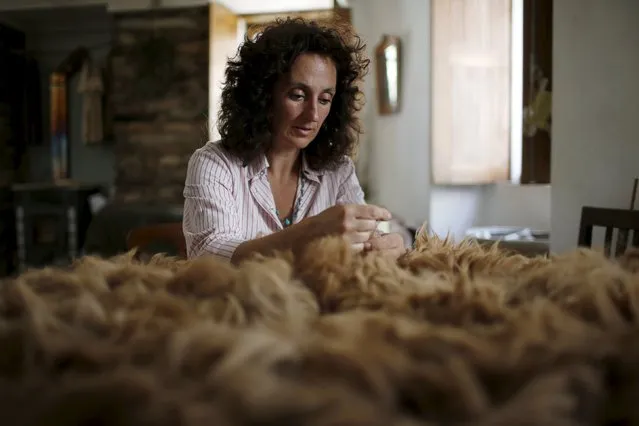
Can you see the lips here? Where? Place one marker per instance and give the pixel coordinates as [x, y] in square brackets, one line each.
[302, 131]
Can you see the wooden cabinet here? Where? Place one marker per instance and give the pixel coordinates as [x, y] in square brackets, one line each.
[51, 222]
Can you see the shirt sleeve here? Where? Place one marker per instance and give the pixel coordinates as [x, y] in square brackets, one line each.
[211, 223]
[350, 191]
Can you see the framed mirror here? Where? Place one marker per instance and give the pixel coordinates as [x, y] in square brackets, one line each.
[388, 58]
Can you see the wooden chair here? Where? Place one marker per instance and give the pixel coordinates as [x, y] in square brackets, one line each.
[622, 220]
[162, 234]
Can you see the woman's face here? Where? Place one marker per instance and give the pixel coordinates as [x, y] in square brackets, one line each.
[302, 101]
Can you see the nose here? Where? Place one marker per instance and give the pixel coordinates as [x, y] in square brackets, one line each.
[311, 112]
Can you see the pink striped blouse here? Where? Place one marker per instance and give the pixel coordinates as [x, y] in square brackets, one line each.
[226, 203]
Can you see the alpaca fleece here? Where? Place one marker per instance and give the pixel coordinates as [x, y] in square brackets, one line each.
[449, 334]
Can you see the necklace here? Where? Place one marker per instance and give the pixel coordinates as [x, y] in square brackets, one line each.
[287, 221]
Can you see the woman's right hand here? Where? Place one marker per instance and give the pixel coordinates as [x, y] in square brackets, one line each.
[354, 222]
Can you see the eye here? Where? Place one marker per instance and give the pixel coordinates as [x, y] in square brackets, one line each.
[325, 101]
[295, 96]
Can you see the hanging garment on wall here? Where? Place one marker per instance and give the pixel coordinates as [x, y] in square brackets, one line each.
[91, 86]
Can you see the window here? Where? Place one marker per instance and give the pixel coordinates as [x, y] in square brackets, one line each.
[479, 87]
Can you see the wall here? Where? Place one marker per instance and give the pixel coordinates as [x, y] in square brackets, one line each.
[455, 209]
[160, 100]
[513, 205]
[395, 160]
[595, 148]
[394, 153]
[50, 36]
[154, 133]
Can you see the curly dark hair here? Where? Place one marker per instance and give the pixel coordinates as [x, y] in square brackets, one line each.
[247, 94]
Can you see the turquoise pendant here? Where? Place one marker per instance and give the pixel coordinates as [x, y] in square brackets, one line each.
[287, 222]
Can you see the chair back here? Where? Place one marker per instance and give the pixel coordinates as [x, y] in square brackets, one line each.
[160, 237]
[621, 220]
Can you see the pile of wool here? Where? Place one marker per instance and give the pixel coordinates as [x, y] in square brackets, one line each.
[450, 334]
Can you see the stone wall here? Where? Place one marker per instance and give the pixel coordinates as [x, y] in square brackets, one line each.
[159, 100]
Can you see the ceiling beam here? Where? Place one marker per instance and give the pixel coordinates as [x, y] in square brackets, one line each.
[247, 6]
[111, 5]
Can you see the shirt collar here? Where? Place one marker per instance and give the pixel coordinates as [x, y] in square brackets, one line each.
[260, 164]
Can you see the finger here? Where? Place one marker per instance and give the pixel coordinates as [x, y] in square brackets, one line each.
[364, 225]
[387, 242]
[393, 250]
[358, 247]
[359, 237]
[370, 211]
[383, 242]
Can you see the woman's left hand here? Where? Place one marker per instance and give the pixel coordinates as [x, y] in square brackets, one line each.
[391, 245]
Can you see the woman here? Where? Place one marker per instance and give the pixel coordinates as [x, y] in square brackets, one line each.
[281, 175]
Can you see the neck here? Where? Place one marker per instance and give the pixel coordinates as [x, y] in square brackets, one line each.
[283, 164]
